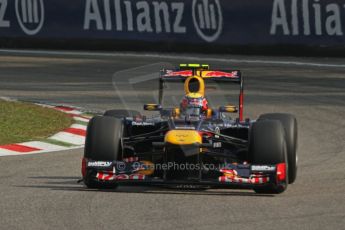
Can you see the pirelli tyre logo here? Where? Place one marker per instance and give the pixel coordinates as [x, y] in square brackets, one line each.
[156, 17]
[30, 15]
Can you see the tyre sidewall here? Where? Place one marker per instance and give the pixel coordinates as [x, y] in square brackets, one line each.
[268, 147]
[289, 123]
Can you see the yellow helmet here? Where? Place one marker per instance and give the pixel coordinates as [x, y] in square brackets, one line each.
[194, 86]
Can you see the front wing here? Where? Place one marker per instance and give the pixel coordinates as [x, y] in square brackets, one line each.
[131, 171]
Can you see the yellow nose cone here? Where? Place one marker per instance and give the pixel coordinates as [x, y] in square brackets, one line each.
[183, 137]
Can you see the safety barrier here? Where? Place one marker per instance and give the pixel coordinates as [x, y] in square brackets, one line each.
[174, 24]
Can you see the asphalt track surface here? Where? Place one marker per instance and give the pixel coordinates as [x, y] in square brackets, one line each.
[41, 191]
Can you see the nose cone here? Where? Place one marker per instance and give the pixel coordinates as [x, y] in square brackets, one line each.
[183, 137]
[183, 143]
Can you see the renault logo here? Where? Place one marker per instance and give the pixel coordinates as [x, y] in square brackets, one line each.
[208, 19]
[30, 15]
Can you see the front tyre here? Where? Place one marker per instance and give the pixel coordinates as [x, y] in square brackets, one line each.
[289, 123]
[268, 147]
[102, 143]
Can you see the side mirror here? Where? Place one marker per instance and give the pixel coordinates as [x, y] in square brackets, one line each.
[152, 107]
[228, 109]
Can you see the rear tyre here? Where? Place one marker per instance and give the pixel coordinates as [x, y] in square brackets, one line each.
[289, 123]
[268, 147]
[102, 144]
[120, 113]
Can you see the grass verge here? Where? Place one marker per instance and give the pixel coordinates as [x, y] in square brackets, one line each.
[20, 122]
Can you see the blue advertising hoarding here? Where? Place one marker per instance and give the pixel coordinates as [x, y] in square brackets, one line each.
[216, 22]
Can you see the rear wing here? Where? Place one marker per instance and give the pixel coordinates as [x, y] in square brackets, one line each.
[189, 70]
[233, 76]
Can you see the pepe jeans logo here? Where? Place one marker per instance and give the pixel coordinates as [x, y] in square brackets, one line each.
[208, 19]
[30, 15]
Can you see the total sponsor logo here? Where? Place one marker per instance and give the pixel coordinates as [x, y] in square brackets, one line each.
[157, 17]
[29, 13]
[307, 17]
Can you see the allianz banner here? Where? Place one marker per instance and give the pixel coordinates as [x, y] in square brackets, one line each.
[218, 22]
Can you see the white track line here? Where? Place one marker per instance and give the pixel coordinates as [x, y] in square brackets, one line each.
[13, 153]
[6, 152]
[175, 57]
[69, 138]
[45, 105]
[81, 119]
[77, 126]
[72, 112]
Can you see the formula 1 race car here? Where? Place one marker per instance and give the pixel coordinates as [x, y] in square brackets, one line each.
[193, 144]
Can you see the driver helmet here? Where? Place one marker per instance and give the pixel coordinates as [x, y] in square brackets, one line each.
[193, 106]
